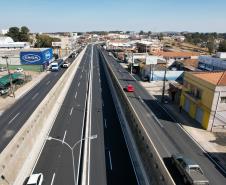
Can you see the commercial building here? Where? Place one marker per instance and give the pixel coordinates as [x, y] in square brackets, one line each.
[8, 43]
[213, 63]
[204, 98]
[39, 56]
[153, 45]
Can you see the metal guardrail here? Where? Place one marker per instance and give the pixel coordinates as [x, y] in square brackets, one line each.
[151, 159]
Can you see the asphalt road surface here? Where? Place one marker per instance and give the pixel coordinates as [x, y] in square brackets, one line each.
[13, 118]
[165, 132]
[56, 162]
[111, 145]
[110, 162]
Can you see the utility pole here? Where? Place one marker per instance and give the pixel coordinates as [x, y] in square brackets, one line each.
[10, 76]
[164, 84]
[131, 68]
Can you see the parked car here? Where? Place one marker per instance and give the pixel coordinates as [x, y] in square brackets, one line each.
[19, 70]
[35, 179]
[4, 91]
[129, 88]
[191, 172]
[3, 69]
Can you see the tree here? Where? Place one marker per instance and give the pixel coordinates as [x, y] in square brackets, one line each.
[211, 46]
[45, 41]
[19, 34]
[24, 34]
[14, 33]
[222, 46]
[141, 32]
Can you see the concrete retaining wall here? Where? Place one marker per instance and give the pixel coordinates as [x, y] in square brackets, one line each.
[19, 157]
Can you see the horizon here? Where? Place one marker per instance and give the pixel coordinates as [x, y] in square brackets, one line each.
[124, 15]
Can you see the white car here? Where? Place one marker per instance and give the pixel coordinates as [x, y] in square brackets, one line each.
[35, 179]
[19, 70]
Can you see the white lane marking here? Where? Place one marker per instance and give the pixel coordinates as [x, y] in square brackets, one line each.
[48, 82]
[13, 118]
[109, 154]
[71, 111]
[141, 99]
[64, 136]
[35, 96]
[76, 94]
[105, 123]
[99, 80]
[78, 84]
[81, 76]
[53, 179]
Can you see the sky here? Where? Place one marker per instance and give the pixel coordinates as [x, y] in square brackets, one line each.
[125, 15]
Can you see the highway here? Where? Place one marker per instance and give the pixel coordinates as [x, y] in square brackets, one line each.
[109, 159]
[165, 132]
[13, 118]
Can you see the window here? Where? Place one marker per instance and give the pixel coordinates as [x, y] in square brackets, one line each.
[223, 99]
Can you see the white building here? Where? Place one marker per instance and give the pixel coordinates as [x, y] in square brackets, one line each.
[8, 43]
[4, 31]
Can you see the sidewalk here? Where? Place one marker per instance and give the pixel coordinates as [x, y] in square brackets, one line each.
[213, 143]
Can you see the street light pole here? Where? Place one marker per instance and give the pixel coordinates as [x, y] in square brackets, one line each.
[164, 84]
[10, 76]
[72, 150]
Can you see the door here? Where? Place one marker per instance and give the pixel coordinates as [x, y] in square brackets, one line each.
[187, 105]
[199, 114]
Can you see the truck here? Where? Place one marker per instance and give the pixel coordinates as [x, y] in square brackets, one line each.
[56, 65]
[191, 172]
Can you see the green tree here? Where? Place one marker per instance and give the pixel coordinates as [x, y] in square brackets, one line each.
[24, 34]
[141, 32]
[14, 33]
[211, 46]
[19, 34]
[222, 46]
[45, 41]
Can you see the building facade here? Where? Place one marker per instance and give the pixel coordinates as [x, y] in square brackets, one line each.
[204, 98]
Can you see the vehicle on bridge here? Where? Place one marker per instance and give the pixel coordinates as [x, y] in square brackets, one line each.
[191, 172]
[129, 88]
[55, 66]
[35, 179]
[66, 64]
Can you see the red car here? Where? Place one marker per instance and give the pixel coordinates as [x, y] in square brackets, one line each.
[129, 88]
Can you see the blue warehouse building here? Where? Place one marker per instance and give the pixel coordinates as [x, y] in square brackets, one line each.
[39, 56]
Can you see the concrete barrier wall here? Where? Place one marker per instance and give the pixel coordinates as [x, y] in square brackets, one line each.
[154, 165]
[19, 157]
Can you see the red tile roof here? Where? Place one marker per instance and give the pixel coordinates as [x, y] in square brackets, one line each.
[216, 78]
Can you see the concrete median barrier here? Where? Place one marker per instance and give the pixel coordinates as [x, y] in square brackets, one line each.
[19, 157]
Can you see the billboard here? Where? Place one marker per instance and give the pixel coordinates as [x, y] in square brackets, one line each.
[36, 57]
[56, 44]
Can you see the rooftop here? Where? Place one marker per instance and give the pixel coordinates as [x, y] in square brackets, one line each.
[216, 78]
[173, 54]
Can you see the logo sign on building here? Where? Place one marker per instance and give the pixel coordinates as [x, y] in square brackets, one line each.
[31, 58]
[56, 44]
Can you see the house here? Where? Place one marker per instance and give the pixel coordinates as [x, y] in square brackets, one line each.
[204, 98]
[153, 45]
[177, 55]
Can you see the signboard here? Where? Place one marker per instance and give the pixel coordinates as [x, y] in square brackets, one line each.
[36, 57]
[56, 44]
[151, 60]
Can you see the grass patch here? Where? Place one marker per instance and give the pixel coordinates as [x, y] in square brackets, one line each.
[36, 68]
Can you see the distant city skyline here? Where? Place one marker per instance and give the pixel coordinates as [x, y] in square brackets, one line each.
[107, 15]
